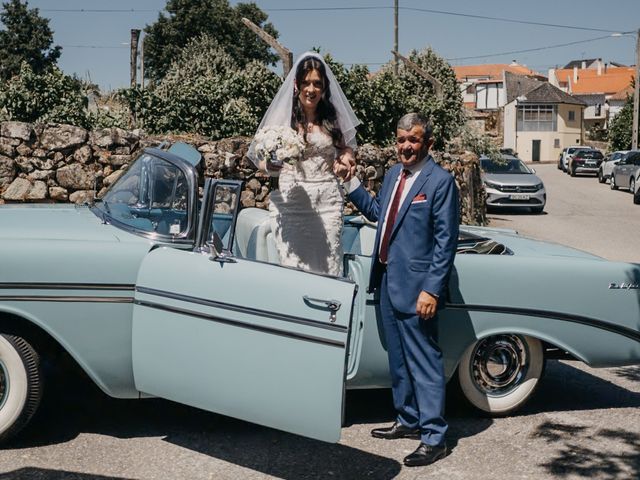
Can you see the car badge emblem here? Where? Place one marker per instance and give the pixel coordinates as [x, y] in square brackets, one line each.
[624, 286]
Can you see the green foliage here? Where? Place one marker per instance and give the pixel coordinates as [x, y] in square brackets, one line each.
[26, 38]
[620, 128]
[48, 97]
[206, 92]
[188, 19]
[380, 99]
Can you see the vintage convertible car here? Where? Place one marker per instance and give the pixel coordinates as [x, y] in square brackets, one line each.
[156, 290]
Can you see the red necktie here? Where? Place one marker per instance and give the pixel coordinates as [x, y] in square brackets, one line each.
[391, 218]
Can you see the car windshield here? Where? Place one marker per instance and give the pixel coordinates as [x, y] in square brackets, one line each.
[509, 166]
[151, 196]
[595, 154]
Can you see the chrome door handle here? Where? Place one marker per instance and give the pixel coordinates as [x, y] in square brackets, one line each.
[332, 305]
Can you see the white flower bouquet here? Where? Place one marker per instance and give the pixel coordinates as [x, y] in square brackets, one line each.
[278, 145]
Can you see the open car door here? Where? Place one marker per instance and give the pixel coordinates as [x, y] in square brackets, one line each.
[250, 340]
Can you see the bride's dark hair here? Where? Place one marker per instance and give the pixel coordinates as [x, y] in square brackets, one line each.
[325, 111]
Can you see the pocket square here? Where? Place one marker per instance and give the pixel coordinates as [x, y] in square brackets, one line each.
[421, 197]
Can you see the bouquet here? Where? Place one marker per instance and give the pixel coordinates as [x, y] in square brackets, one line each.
[279, 144]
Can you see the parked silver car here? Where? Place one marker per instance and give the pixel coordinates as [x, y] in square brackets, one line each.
[510, 183]
[606, 167]
[625, 173]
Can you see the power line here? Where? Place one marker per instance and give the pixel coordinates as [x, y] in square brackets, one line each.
[531, 49]
[94, 46]
[361, 8]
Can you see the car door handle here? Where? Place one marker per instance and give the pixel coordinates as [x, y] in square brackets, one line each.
[332, 305]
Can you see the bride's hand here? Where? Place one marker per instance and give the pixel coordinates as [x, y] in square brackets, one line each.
[345, 165]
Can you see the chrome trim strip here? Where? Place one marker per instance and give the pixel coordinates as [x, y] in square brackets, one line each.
[239, 309]
[67, 286]
[68, 299]
[591, 322]
[235, 323]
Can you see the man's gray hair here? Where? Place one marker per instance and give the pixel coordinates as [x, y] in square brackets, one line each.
[410, 120]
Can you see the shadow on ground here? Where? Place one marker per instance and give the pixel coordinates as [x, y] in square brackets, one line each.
[45, 473]
[581, 451]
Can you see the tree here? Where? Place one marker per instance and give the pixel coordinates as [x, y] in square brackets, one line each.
[620, 128]
[27, 37]
[205, 91]
[46, 97]
[188, 19]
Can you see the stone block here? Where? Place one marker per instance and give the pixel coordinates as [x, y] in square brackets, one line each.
[62, 137]
[19, 130]
[58, 194]
[75, 176]
[18, 190]
[84, 154]
[81, 196]
[38, 191]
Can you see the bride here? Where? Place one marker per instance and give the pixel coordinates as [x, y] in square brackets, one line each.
[306, 211]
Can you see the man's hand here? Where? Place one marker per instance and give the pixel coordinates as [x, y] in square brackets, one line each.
[426, 305]
[345, 165]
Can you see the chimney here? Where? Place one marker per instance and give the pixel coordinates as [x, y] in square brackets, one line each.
[513, 63]
[599, 66]
[569, 84]
[552, 77]
[584, 64]
[605, 68]
[575, 74]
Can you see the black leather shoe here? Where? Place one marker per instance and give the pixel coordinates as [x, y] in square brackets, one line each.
[425, 455]
[397, 430]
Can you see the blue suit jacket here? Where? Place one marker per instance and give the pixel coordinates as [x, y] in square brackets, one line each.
[424, 237]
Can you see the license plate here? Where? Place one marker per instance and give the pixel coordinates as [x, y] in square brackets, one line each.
[591, 164]
[519, 196]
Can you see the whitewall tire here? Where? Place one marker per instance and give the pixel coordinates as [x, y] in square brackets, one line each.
[20, 384]
[498, 374]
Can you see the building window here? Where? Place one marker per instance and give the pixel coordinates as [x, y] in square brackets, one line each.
[572, 115]
[536, 118]
[556, 143]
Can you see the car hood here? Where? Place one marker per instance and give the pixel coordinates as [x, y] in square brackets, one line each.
[52, 222]
[524, 246]
[522, 179]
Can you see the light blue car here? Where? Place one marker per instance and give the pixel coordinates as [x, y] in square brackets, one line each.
[156, 290]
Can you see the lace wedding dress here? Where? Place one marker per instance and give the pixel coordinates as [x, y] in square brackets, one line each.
[306, 211]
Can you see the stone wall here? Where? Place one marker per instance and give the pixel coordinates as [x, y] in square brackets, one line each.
[63, 163]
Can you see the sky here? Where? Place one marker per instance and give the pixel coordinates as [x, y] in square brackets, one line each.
[96, 44]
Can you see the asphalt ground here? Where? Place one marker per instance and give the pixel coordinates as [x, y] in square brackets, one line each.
[580, 423]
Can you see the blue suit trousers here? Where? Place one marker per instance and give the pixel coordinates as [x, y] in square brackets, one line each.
[417, 369]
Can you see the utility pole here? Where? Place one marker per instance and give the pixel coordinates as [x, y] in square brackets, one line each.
[142, 63]
[133, 62]
[395, 36]
[285, 54]
[636, 95]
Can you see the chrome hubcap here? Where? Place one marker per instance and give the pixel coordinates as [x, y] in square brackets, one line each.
[499, 364]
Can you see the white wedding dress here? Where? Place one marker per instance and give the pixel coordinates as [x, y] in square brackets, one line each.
[306, 211]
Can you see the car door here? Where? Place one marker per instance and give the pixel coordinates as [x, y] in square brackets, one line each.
[250, 340]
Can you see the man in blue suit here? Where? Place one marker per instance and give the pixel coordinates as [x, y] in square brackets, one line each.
[417, 214]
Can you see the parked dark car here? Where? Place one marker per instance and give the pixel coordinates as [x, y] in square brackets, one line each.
[563, 160]
[625, 173]
[585, 160]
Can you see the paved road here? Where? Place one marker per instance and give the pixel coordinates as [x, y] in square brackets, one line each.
[581, 423]
[581, 213]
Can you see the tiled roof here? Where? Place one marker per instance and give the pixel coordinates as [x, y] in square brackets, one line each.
[536, 91]
[578, 63]
[623, 94]
[614, 80]
[490, 71]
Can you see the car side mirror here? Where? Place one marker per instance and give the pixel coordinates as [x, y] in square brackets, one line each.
[533, 170]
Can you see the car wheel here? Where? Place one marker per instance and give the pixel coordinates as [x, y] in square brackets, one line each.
[20, 384]
[573, 171]
[636, 197]
[601, 178]
[632, 185]
[498, 374]
[612, 182]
